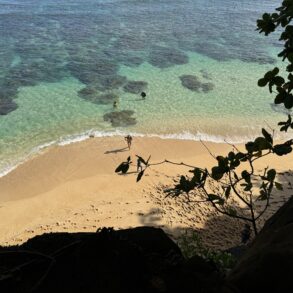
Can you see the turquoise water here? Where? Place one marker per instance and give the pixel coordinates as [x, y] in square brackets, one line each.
[63, 64]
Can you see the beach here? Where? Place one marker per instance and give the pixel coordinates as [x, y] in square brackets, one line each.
[74, 188]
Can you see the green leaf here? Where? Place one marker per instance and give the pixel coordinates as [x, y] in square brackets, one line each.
[249, 146]
[262, 82]
[263, 195]
[267, 136]
[261, 143]
[217, 173]
[288, 103]
[248, 187]
[142, 160]
[123, 167]
[227, 192]
[278, 185]
[139, 176]
[216, 199]
[147, 162]
[271, 174]
[282, 149]
[232, 212]
[246, 176]
[280, 98]
[290, 57]
[197, 175]
[278, 80]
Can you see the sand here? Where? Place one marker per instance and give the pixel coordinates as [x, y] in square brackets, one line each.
[74, 188]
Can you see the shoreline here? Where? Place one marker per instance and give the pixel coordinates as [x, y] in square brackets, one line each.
[76, 138]
[74, 188]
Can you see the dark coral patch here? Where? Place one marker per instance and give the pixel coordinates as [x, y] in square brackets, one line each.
[120, 118]
[135, 87]
[92, 95]
[163, 57]
[110, 82]
[7, 106]
[206, 87]
[192, 83]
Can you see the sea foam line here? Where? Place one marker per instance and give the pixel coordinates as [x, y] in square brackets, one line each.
[69, 139]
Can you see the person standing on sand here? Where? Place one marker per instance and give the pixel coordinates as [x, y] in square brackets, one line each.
[128, 139]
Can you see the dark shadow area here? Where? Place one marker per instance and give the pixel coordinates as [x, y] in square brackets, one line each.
[142, 259]
[128, 173]
[116, 151]
[145, 259]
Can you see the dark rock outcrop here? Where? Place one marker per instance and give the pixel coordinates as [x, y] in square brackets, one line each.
[268, 264]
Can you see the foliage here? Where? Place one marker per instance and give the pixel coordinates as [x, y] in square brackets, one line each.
[190, 244]
[235, 174]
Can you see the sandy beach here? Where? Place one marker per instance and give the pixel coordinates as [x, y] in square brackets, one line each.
[74, 188]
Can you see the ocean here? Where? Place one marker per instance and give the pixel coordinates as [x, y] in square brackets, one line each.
[64, 63]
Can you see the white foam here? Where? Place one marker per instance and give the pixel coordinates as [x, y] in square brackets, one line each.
[185, 135]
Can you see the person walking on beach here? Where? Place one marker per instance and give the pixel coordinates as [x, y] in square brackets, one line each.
[128, 139]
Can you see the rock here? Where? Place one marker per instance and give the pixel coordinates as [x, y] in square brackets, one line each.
[164, 57]
[267, 264]
[120, 118]
[135, 87]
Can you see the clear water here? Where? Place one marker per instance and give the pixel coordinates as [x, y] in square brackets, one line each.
[51, 50]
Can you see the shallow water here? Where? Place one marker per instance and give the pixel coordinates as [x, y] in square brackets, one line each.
[64, 63]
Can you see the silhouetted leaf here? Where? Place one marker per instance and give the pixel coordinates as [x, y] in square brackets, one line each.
[123, 167]
[282, 149]
[217, 173]
[147, 162]
[261, 143]
[139, 176]
[246, 176]
[142, 160]
[271, 174]
[262, 82]
[249, 146]
[267, 136]
[278, 185]
[216, 199]
[231, 211]
[227, 192]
